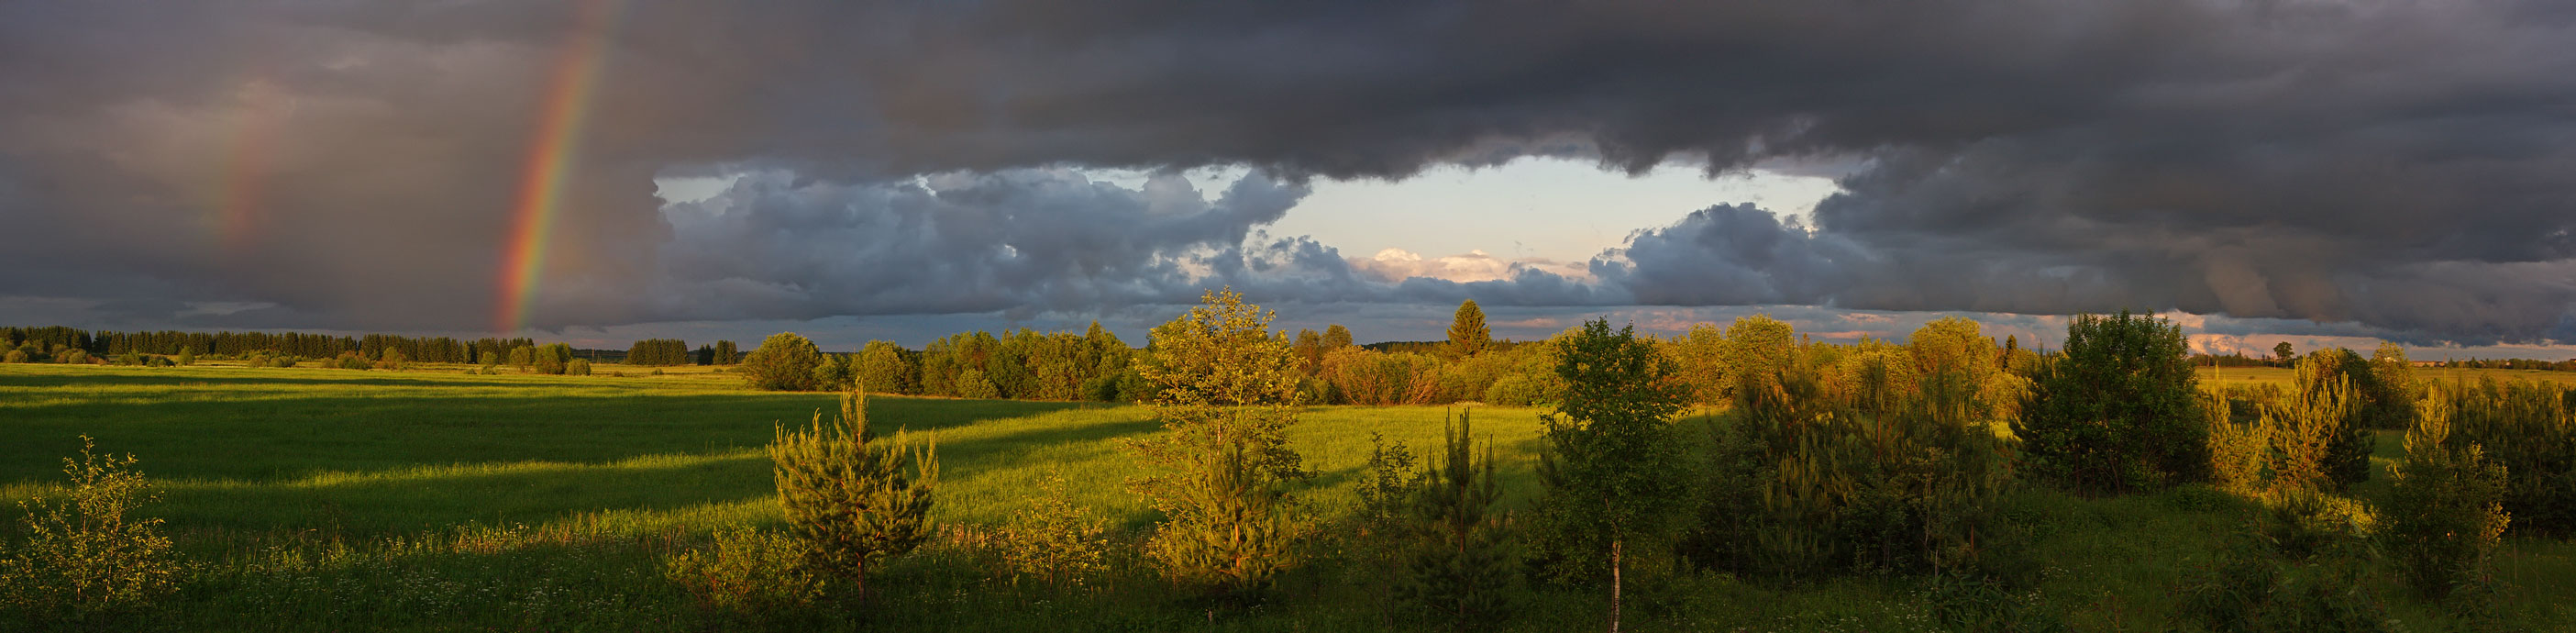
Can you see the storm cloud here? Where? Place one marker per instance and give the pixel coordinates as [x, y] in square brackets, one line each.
[2399, 166]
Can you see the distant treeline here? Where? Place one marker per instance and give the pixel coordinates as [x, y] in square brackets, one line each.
[2241, 360]
[106, 343]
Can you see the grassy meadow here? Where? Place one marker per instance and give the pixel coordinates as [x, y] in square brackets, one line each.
[433, 499]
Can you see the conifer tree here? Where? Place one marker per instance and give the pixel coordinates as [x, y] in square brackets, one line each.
[847, 499]
[1467, 333]
[1462, 569]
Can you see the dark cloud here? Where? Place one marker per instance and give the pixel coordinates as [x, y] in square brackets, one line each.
[2397, 165]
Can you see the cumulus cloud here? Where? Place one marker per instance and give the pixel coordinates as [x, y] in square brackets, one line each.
[2396, 165]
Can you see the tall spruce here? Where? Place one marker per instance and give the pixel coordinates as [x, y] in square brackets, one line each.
[1225, 390]
[848, 501]
[1612, 464]
[1462, 569]
[1467, 333]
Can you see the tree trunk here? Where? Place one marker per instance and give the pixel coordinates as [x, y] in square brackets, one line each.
[1614, 585]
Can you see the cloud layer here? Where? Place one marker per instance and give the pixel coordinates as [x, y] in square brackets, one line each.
[2397, 165]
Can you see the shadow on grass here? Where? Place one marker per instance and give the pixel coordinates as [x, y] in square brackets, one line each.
[293, 438]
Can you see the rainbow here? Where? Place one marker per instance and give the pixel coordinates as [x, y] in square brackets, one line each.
[243, 187]
[551, 155]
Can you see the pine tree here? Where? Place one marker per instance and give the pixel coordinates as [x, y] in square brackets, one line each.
[1612, 465]
[1467, 333]
[848, 501]
[1462, 570]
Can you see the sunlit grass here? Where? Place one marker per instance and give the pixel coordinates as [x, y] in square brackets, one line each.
[325, 499]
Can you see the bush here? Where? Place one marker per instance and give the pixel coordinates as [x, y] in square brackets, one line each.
[15, 356]
[73, 357]
[577, 367]
[2317, 440]
[392, 358]
[2114, 411]
[848, 502]
[2247, 590]
[1892, 466]
[745, 570]
[1373, 378]
[1056, 541]
[351, 360]
[551, 359]
[88, 554]
[187, 356]
[2525, 427]
[784, 362]
[2446, 507]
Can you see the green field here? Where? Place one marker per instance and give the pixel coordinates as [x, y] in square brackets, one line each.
[319, 499]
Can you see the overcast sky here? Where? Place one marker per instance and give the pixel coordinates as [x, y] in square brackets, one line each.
[2324, 172]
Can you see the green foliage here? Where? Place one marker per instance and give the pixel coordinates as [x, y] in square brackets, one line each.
[550, 359]
[1467, 333]
[2248, 591]
[1884, 460]
[835, 372]
[972, 384]
[17, 356]
[1337, 337]
[2445, 513]
[745, 570]
[351, 360]
[2527, 428]
[1612, 466]
[658, 352]
[72, 357]
[1225, 390]
[2114, 411]
[884, 367]
[2317, 439]
[187, 356]
[784, 362]
[1364, 377]
[88, 553]
[848, 502]
[1460, 568]
[577, 367]
[1056, 541]
[392, 358]
[522, 356]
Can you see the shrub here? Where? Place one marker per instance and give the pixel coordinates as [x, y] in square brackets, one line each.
[2246, 590]
[848, 502]
[88, 554]
[1367, 377]
[834, 373]
[391, 358]
[784, 362]
[1380, 531]
[1225, 390]
[1895, 467]
[551, 359]
[744, 570]
[1460, 568]
[2525, 427]
[1055, 540]
[2113, 412]
[187, 356]
[16, 356]
[2446, 506]
[73, 357]
[351, 360]
[577, 367]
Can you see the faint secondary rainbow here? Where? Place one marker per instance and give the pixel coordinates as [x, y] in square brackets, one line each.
[241, 189]
[551, 155]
